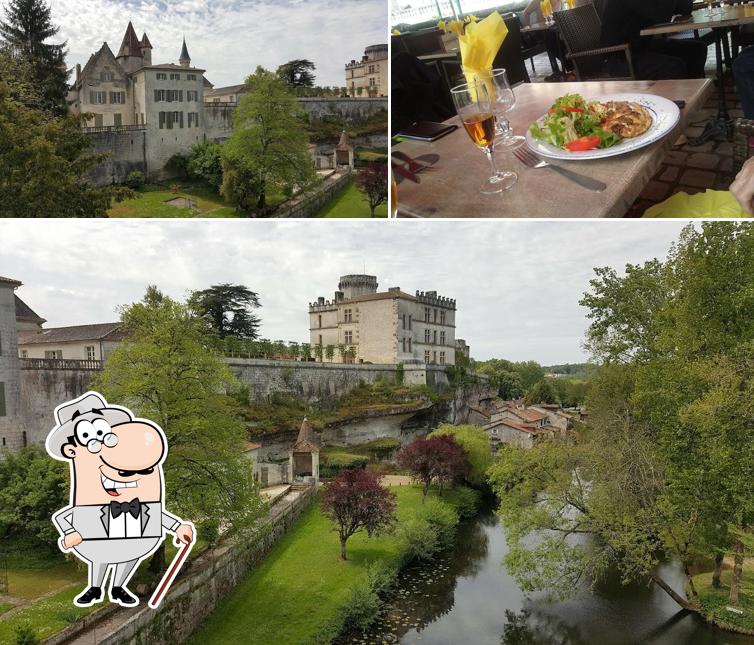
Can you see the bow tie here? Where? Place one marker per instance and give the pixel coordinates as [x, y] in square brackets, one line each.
[133, 507]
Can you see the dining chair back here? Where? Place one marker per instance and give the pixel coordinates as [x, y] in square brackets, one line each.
[511, 52]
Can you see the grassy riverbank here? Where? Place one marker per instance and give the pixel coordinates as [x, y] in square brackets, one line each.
[715, 601]
[299, 593]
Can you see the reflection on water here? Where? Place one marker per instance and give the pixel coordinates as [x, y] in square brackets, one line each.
[467, 598]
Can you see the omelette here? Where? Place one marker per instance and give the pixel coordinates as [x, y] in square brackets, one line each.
[624, 118]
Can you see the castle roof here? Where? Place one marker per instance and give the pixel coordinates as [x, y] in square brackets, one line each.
[384, 295]
[145, 41]
[305, 441]
[184, 51]
[10, 281]
[76, 333]
[103, 51]
[130, 45]
[24, 313]
[172, 66]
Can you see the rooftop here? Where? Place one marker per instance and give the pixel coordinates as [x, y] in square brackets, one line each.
[225, 91]
[10, 281]
[518, 425]
[25, 313]
[305, 441]
[76, 333]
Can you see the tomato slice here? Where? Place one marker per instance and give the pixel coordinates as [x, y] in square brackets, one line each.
[584, 143]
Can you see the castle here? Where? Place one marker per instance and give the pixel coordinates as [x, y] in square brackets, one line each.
[368, 77]
[385, 326]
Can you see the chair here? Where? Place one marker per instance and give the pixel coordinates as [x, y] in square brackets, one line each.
[420, 43]
[743, 133]
[510, 55]
[581, 29]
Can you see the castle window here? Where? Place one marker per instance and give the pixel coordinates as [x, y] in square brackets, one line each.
[232, 98]
[434, 357]
[404, 345]
[178, 118]
[24, 353]
[319, 320]
[2, 401]
[3, 442]
[442, 338]
[162, 120]
[371, 69]
[1, 344]
[434, 337]
[118, 97]
[442, 317]
[404, 321]
[409, 345]
[426, 335]
[191, 77]
[107, 76]
[435, 315]
[348, 315]
[117, 119]
[372, 82]
[90, 353]
[426, 314]
[175, 77]
[426, 356]
[442, 358]
[193, 118]
[348, 337]
[192, 95]
[161, 76]
[410, 321]
[97, 98]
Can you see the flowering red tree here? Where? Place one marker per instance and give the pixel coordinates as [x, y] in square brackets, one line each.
[356, 500]
[372, 182]
[439, 457]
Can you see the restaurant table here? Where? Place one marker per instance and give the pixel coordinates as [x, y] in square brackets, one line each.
[543, 27]
[450, 188]
[724, 19]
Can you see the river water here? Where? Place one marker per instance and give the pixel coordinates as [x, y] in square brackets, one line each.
[468, 598]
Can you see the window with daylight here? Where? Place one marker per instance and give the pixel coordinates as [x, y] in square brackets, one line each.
[175, 77]
[442, 317]
[118, 98]
[442, 338]
[90, 353]
[348, 315]
[161, 76]
[372, 82]
[54, 354]
[97, 98]
[442, 358]
[371, 69]
[191, 77]
[426, 356]
[24, 353]
[348, 337]
[426, 314]
[426, 336]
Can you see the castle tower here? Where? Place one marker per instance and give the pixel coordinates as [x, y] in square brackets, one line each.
[146, 49]
[357, 285]
[10, 426]
[130, 55]
[185, 59]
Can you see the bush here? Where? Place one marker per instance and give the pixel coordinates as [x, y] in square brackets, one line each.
[25, 635]
[400, 374]
[466, 501]
[443, 518]
[177, 166]
[417, 539]
[362, 606]
[135, 180]
[333, 464]
[205, 163]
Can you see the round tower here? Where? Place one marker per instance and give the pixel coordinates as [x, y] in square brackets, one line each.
[357, 285]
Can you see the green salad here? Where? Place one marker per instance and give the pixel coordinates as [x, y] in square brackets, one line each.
[573, 124]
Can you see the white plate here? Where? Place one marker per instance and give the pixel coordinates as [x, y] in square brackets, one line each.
[665, 116]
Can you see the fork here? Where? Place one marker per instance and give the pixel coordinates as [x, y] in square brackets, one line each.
[528, 158]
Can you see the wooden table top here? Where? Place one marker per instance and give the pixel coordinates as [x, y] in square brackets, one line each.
[450, 187]
[730, 17]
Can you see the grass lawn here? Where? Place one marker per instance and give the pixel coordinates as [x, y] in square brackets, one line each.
[302, 583]
[350, 203]
[5, 606]
[715, 601]
[152, 202]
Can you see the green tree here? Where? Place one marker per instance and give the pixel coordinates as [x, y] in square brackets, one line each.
[541, 392]
[318, 352]
[165, 371]
[26, 29]
[529, 372]
[44, 161]
[329, 352]
[32, 488]
[267, 153]
[503, 376]
[205, 163]
[228, 309]
[476, 445]
[297, 73]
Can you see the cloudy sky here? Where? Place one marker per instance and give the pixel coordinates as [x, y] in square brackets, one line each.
[229, 38]
[517, 284]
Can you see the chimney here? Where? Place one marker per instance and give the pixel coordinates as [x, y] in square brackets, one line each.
[321, 300]
[78, 72]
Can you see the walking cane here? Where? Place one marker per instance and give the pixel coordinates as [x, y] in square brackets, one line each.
[170, 574]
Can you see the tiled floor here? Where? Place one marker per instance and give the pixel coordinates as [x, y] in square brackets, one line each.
[686, 169]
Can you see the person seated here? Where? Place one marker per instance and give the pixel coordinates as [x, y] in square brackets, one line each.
[743, 73]
[653, 58]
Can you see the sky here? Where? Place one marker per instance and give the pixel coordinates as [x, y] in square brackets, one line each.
[517, 283]
[229, 38]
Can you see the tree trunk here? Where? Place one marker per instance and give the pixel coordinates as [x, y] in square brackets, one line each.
[738, 565]
[262, 202]
[425, 490]
[371, 208]
[690, 580]
[719, 557]
[343, 548]
[680, 600]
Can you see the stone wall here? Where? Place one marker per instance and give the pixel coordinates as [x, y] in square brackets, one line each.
[310, 203]
[42, 390]
[197, 592]
[126, 150]
[314, 381]
[11, 437]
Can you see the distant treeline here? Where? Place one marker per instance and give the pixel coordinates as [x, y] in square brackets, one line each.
[574, 370]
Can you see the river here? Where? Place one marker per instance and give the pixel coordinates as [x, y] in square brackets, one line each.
[467, 598]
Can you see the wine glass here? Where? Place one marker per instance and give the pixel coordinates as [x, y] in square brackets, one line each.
[474, 104]
[504, 101]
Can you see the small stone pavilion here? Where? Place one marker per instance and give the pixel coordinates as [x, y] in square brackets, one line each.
[303, 456]
[344, 151]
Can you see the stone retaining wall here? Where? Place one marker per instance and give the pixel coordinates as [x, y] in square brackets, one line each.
[126, 151]
[310, 203]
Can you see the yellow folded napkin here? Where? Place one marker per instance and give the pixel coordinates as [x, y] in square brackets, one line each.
[479, 46]
[712, 203]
